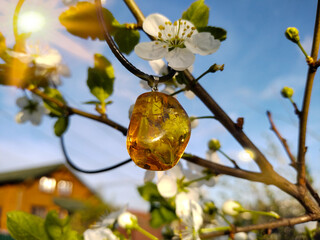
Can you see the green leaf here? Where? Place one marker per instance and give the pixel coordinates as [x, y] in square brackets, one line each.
[126, 39]
[59, 229]
[25, 226]
[52, 107]
[101, 78]
[218, 33]
[61, 126]
[197, 13]
[149, 191]
[81, 20]
[162, 215]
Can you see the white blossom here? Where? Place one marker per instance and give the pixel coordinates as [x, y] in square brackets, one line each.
[194, 122]
[31, 110]
[190, 212]
[241, 236]
[176, 42]
[110, 218]
[231, 207]
[99, 234]
[127, 220]
[48, 61]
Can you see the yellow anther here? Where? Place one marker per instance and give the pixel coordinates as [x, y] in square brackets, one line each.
[164, 46]
[184, 29]
[189, 35]
[193, 28]
[159, 34]
[161, 27]
[169, 35]
[188, 26]
[156, 43]
[176, 37]
[175, 23]
[183, 34]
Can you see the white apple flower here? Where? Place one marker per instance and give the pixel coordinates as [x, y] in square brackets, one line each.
[241, 236]
[109, 219]
[190, 212]
[176, 42]
[194, 122]
[231, 208]
[99, 234]
[167, 182]
[127, 220]
[31, 110]
[48, 61]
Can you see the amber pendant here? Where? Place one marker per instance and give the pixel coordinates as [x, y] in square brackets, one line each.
[159, 131]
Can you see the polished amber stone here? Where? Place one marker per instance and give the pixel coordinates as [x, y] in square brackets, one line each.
[159, 131]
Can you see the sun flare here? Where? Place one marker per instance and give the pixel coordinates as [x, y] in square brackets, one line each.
[31, 21]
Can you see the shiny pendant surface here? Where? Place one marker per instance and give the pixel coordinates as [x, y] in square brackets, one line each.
[159, 131]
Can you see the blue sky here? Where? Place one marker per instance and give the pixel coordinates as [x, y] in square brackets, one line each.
[258, 60]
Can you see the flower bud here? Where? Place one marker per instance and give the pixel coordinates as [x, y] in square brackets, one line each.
[127, 220]
[209, 208]
[292, 34]
[214, 144]
[287, 92]
[231, 208]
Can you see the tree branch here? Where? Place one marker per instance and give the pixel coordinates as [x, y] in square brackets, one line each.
[70, 110]
[269, 225]
[291, 157]
[301, 167]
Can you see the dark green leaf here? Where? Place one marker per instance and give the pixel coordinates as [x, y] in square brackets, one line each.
[81, 20]
[101, 78]
[162, 215]
[197, 13]
[218, 33]
[52, 107]
[61, 126]
[126, 39]
[149, 191]
[25, 226]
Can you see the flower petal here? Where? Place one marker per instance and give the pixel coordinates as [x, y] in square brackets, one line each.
[22, 102]
[152, 22]
[51, 59]
[180, 58]
[202, 43]
[149, 176]
[151, 50]
[159, 67]
[23, 57]
[35, 118]
[167, 186]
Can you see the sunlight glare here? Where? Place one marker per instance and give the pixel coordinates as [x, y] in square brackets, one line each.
[31, 21]
[246, 155]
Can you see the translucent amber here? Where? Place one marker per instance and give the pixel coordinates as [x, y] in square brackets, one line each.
[159, 131]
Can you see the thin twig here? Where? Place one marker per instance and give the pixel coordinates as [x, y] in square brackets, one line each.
[291, 157]
[70, 110]
[301, 167]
